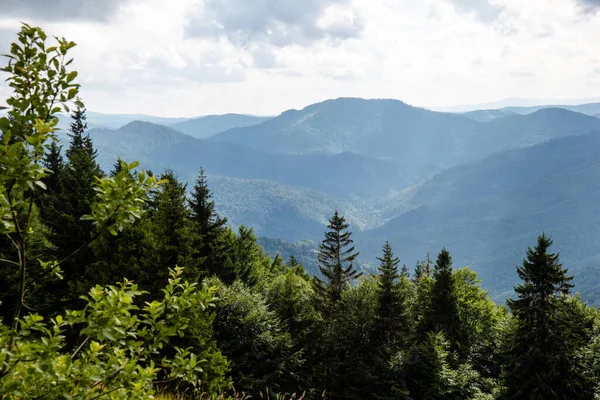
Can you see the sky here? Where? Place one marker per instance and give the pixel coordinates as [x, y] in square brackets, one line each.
[183, 58]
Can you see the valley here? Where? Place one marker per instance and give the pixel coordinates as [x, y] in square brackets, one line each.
[483, 183]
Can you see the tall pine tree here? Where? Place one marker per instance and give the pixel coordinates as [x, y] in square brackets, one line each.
[391, 307]
[73, 197]
[173, 230]
[442, 314]
[336, 257]
[543, 360]
[212, 244]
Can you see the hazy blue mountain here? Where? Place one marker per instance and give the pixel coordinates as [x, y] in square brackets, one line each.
[487, 115]
[588, 108]
[418, 140]
[159, 147]
[538, 104]
[287, 175]
[204, 127]
[487, 213]
[115, 121]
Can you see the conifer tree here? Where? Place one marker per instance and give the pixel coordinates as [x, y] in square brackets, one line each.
[391, 324]
[53, 160]
[203, 207]
[173, 230]
[73, 197]
[423, 268]
[391, 310]
[292, 262]
[211, 244]
[543, 361]
[336, 257]
[442, 314]
[49, 201]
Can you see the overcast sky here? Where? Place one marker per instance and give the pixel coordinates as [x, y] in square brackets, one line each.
[198, 57]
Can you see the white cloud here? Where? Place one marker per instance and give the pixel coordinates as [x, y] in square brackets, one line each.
[182, 58]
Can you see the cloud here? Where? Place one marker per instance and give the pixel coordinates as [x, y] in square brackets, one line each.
[589, 6]
[279, 23]
[60, 10]
[484, 10]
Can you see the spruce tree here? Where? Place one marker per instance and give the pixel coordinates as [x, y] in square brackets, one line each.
[49, 201]
[292, 262]
[543, 360]
[336, 257]
[391, 310]
[73, 198]
[173, 230]
[203, 207]
[391, 324]
[442, 314]
[53, 160]
[211, 244]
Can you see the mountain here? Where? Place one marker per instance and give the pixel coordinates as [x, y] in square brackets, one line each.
[487, 115]
[418, 140]
[204, 127]
[591, 109]
[115, 121]
[486, 213]
[159, 147]
[284, 212]
[421, 179]
[518, 102]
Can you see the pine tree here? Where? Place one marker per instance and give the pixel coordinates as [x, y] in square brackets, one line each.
[336, 257]
[53, 160]
[391, 310]
[391, 323]
[423, 268]
[203, 207]
[49, 200]
[292, 262]
[73, 198]
[173, 229]
[211, 241]
[442, 314]
[543, 361]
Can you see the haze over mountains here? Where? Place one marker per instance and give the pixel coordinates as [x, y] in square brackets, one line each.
[483, 184]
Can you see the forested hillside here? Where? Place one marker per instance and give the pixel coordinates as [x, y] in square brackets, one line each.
[123, 283]
[290, 196]
[204, 127]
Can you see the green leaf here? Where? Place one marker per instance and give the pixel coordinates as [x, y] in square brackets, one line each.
[41, 184]
[71, 76]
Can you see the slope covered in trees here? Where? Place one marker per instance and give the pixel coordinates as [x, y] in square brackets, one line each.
[204, 127]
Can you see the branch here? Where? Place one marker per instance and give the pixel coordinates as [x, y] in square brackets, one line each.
[9, 262]
[104, 394]
[80, 347]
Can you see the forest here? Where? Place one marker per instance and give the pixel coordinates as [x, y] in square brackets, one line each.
[126, 284]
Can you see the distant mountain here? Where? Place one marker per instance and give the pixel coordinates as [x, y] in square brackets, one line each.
[487, 115]
[204, 127]
[487, 213]
[518, 102]
[591, 109]
[159, 147]
[418, 140]
[115, 121]
[285, 212]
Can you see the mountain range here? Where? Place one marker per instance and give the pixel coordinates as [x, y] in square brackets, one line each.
[484, 184]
